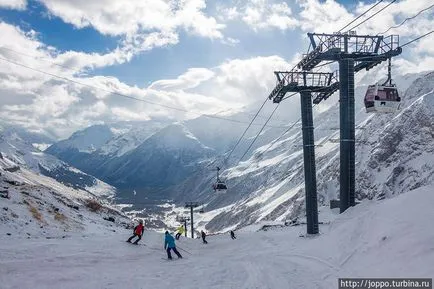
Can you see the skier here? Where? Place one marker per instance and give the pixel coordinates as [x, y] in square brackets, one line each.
[138, 231]
[233, 235]
[181, 231]
[169, 244]
[203, 237]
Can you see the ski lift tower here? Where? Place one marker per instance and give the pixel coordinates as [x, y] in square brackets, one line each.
[306, 83]
[191, 206]
[353, 53]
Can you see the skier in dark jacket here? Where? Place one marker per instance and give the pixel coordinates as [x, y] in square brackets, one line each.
[138, 231]
[233, 235]
[202, 233]
[169, 244]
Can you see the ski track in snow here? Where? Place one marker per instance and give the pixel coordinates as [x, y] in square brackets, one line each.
[91, 262]
[388, 238]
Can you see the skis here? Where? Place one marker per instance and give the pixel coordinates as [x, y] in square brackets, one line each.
[173, 259]
[134, 244]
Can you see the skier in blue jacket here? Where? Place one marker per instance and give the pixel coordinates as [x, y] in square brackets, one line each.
[169, 244]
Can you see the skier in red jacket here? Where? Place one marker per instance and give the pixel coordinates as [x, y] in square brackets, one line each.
[138, 231]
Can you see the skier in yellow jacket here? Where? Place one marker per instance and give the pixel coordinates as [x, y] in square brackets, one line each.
[181, 231]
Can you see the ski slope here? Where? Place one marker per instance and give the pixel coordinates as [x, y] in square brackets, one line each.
[390, 238]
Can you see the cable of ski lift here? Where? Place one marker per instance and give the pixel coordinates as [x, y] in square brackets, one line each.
[418, 38]
[43, 59]
[245, 131]
[358, 17]
[301, 165]
[278, 138]
[373, 15]
[406, 19]
[282, 135]
[259, 133]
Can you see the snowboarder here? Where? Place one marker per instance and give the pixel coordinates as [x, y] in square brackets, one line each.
[202, 233]
[138, 231]
[169, 244]
[181, 231]
[233, 235]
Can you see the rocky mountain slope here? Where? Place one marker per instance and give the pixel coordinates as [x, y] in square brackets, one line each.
[18, 146]
[35, 206]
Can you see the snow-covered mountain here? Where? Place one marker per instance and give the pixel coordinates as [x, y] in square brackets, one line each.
[103, 156]
[36, 206]
[163, 159]
[135, 147]
[394, 153]
[129, 136]
[179, 160]
[18, 145]
[88, 140]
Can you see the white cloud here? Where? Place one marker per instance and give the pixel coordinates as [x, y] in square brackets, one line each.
[13, 4]
[141, 25]
[192, 78]
[17, 43]
[262, 14]
[60, 107]
[43, 102]
[328, 16]
[129, 48]
[130, 17]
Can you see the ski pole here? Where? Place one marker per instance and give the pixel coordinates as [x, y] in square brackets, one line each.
[184, 250]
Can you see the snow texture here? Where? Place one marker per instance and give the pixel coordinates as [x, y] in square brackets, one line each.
[390, 238]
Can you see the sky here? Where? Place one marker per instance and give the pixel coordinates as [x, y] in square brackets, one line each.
[60, 59]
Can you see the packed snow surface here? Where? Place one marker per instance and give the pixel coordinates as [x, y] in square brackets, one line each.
[389, 238]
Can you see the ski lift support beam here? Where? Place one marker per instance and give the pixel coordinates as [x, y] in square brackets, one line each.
[353, 53]
[191, 206]
[305, 83]
[367, 51]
